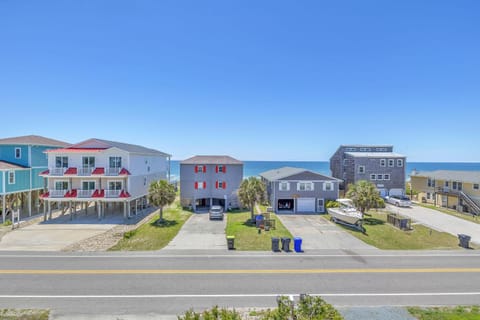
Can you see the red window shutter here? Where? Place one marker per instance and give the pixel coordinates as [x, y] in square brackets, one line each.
[196, 169]
[204, 185]
[224, 185]
[204, 169]
[224, 169]
[216, 169]
[216, 184]
[196, 185]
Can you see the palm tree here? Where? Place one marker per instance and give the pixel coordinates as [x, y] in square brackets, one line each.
[251, 191]
[364, 195]
[160, 194]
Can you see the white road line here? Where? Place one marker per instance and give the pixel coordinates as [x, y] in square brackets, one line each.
[264, 295]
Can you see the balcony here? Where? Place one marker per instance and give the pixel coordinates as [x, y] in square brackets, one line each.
[85, 193]
[86, 171]
[57, 193]
[57, 171]
[112, 171]
[112, 193]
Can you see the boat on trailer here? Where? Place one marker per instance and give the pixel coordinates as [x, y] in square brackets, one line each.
[346, 214]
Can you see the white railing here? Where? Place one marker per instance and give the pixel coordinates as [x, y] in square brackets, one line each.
[112, 193]
[57, 193]
[112, 171]
[84, 193]
[57, 171]
[85, 171]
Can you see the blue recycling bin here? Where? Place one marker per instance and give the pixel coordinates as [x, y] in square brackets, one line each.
[259, 221]
[297, 244]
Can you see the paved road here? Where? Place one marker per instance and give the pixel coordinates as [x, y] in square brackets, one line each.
[440, 221]
[318, 233]
[199, 233]
[161, 283]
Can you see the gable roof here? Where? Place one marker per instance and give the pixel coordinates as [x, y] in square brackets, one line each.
[291, 173]
[375, 154]
[450, 175]
[4, 165]
[211, 160]
[95, 144]
[34, 140]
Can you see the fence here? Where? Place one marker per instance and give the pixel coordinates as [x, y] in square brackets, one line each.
[399, 221]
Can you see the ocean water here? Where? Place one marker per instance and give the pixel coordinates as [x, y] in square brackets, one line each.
[254, 168]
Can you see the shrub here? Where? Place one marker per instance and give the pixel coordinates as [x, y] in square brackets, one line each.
[381, 203]
[129, 234]
[332, 204]
[7, 223]
[214, 314]
[308, 308]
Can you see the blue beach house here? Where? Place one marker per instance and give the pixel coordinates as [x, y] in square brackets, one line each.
[22, 159]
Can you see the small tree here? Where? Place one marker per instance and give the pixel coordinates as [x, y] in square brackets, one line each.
[364, 195]
[160, 194]
[251, 191]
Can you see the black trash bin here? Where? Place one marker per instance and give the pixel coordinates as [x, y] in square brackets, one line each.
[231, 242]
[286, 244]
[464, 240]
[275, 244]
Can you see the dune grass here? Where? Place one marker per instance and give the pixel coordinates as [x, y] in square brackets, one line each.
[382, 235]
[24, 314]
[246, 235]
[446, 313]
[154, 235]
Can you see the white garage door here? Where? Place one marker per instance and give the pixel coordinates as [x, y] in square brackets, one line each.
[306, 205]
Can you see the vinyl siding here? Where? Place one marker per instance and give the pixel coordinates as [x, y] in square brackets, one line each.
[22, 181]
[7, 153]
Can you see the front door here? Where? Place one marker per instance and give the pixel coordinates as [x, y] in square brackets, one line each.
[320, 205]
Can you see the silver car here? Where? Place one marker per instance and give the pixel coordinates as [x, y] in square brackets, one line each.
[215, 212]
[399, 201]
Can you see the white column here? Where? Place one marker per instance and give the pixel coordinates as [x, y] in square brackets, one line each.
[136, 206]
[30, 203]
[4, 207]
[99, 210]
[125, 210]
[71, 209]
[49, 210]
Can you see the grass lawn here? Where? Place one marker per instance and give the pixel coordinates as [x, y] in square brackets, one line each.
[154, 236]
[446, 313]
[247, 237]
[382, 235]
[24, 314]
[464, 216]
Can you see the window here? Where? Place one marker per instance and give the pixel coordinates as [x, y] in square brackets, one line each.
[350, 149]
[446, 184]
[460, 186]
[88, 162]
[345, 162]
[115, 162]
[144, 181]
[379, 176]
[399, 162]
[381, 149]
[428, 196]
[11, 177]
[363, 149]
[328, 186]
[221, 168]
[88, 185]
[386, 176]
[373, 177]
[305, 186]
[200, 169]
[61, 162]
[431, 183]
[383, 162]
[391, 162]
[475, 186]
[454, 185]
[61, 185]
[18, 153]
[114, 185]
[200, 185]
[221, 185]
[284, 186]
[361, 169]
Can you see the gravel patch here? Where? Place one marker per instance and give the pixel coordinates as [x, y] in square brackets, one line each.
[375, 313]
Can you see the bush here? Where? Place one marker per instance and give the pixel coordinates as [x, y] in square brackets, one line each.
[308, 308]
[7, 223]
[381, 203]
[214, 314]
[332, 204]
[129, 234]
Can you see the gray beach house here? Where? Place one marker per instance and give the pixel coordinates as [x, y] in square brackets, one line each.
[375, 163]
[297, 190]
[210, 180]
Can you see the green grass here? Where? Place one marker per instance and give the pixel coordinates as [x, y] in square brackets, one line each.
[464, 216]
[382, 235]
[152, 235]
[24, 314]
[247, 237]
[446, 313]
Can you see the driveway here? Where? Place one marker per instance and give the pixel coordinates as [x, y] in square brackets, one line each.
[440, 221]
[318, 233]
[199, 233]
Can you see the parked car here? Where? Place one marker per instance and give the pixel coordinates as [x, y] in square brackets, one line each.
[399, 201]
[215, 212]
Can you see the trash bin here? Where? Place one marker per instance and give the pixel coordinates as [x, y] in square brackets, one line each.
[231, 242]
[275, 244]
[297, 244]
[259, 221]
[286, 244]
[464, 241]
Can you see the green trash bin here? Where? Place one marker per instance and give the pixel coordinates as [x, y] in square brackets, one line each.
[231, 242]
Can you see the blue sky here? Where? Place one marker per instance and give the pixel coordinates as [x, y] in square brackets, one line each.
[258, 80]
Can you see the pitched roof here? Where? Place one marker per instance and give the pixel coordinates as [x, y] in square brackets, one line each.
[211, 160]
[450, 175]
[4, 165]
[375, 154]
[291, 173]
[34, 140]
[366, 146]
[99, 144]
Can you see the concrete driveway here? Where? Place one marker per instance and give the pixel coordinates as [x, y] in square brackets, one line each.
[440, 221]
[199, 233]
[318, 233]
[56, 234]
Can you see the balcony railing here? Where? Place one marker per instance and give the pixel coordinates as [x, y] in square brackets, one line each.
[112, 171]
[86, 171]
[57, 171]
[84, 193]
[112, 193]
[57, 193]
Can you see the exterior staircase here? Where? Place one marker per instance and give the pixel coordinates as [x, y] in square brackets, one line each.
[472, 204]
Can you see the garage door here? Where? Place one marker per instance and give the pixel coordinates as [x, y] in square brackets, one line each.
[306, 205]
